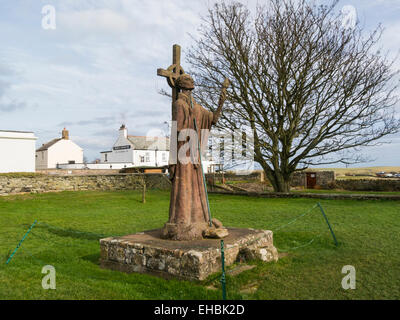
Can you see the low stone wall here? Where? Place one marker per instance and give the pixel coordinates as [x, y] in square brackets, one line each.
[254, 176]
[325, 179]
[48, 183]
[299, 179]
[368, 185]
[78, 172]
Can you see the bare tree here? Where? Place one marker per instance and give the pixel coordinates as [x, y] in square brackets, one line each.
[310, 90]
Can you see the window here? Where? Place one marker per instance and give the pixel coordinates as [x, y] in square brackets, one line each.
[71, 162]
[147, 156]
[105, 157]
[244, 139]
[141, 158]
[164, 157]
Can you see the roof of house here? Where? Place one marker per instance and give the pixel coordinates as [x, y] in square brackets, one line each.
[149, 143]
[11, 134]
[16, 131]
[48, 144]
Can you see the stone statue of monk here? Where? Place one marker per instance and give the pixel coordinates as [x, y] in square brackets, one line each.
[188, 212]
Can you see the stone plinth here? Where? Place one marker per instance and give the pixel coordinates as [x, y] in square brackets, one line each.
[146, 252]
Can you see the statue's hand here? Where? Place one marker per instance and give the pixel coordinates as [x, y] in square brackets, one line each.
[226, 83]
[221, 101]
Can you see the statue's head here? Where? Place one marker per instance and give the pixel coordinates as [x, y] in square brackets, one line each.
[185, 82]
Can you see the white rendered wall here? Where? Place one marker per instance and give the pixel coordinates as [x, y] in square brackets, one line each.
[63, 152]
[133, 157]
[120, 156]
[41, 160]
[103, 158]
[123, 155]
[17, 152]
[152, 158]
[148, 157]
[95, 166]
[160, 160]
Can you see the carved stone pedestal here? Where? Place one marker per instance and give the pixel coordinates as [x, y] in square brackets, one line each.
[147, 252]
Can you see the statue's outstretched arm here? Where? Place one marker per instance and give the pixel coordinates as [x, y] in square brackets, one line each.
[221, 101]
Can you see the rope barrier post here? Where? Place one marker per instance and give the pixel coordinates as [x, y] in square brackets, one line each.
[329, 225]
[223, 279]
[20, 243]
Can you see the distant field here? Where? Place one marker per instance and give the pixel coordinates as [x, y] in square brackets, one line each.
[359, 172]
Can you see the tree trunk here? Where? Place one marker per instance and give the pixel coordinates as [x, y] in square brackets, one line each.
[280, 182]
[283, 186]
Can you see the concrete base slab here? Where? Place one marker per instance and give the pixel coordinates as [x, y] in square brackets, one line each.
[147, 252]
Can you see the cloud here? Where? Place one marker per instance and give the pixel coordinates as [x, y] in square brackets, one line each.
[5, 71]
[112, 132]
[393, 4]
[102, 121]
[4, 85]
[98, 68]
[93, 21]
[7, 104]
[93, 142]
[12, 106]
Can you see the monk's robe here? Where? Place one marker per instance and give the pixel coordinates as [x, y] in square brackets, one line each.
[188, 212]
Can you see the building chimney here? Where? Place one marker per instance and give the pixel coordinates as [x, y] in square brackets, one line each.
[123, 131]
[65, 134]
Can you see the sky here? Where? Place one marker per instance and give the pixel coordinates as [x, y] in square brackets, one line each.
[98, 68]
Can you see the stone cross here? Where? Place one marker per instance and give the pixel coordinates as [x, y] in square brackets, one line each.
[173, 71]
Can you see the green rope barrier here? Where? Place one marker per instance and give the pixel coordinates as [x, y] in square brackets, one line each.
[301, 246]
[20, 243]
[223, 278]
[329, 225]
[295, 219]
[312, 240]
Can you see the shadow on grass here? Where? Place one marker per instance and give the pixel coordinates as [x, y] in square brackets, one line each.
[93, 258]
[68, 233]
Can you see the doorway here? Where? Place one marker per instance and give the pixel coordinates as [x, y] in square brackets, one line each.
[311, 180]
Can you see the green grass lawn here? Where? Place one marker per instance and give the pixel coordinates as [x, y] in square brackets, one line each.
[368, 232]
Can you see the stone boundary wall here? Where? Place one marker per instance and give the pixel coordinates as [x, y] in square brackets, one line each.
[324, 196]
[368, 185]
[324, 179]
[39, 183]
[254, 176]
[299, 179]
[78, 172]
[49, 183]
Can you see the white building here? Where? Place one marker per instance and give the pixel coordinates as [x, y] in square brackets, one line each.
[140, 151]
[137, 151]
[58, 151]
[17, 151]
